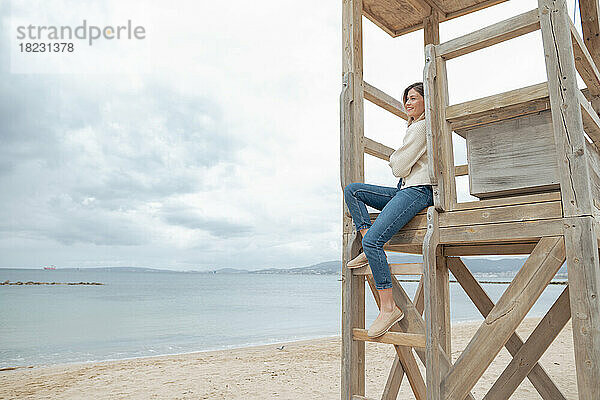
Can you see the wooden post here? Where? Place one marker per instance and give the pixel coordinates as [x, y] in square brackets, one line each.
[351, 170]
[580, 238]
[584, 283]
[566, 114]
[590, 27]
[432, 323]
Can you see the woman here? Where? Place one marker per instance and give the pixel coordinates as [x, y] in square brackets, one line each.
[397, 205]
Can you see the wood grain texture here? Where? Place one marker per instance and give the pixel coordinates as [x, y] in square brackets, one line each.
[511, 157]
[497, 107]
[384, 100]
[497, 33]
[584, 284]
[566, 113]
[537, 376]
[505, 317]
[351, 170]
[530, 352]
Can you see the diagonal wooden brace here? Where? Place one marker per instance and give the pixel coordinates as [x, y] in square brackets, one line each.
[502, 321]
[537, 376]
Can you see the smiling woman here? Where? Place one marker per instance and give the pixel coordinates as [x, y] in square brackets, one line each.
[397, 205]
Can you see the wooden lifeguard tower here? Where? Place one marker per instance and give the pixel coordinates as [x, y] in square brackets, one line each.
[534, 164]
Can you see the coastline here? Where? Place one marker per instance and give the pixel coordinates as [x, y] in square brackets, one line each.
[309, 367]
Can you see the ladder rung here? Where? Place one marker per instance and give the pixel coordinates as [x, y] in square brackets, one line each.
[395, 269]
[397, 338]
[358, 397]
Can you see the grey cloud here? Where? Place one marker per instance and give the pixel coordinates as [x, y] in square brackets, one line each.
[220, 228]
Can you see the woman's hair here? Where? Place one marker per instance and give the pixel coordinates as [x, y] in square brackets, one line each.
[418, 86]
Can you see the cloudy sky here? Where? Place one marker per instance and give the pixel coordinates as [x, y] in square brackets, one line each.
[214, 142]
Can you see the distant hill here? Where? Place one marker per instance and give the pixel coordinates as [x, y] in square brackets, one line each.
[477, 265]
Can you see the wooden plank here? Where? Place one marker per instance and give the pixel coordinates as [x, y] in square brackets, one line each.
[396, 338]
[494, 215]
[584, 63]
[404, 354]
[394, 380]
[384, 101]
[395, 269]
[449, 15]
[490, 249]
[507, 232]
[377, 149]
[566, 113]
[511, 157]
[490, 35]
[525, 231]
[507, 201]
[419, 299]
[530, 352]
[505, 317]
[590, 119]
[584, 286]
[497, 107]
[461, 170]
[537, 376]
[434, 325]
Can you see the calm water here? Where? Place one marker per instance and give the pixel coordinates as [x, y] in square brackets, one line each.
[150, 313]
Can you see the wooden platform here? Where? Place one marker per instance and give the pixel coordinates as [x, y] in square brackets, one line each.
[398, 17]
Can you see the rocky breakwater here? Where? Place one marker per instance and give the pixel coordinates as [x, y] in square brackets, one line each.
[18, 283]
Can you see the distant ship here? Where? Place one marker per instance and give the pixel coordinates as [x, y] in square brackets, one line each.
[50, 267]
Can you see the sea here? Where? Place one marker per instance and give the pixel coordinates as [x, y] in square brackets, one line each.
[148, 313]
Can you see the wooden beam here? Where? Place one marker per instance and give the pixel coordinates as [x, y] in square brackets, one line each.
[505, 317]
[584, 285]
[384, 101]
[397, 338]
[377, 149]
[395, 269]
[537, 376]
[590, 119]
[590, 27]
[461, 170]
[530, 352]
[584, 63]
[394, 380]
[351, 170]
[526, 100]
[499, 32]
[475, 7]
[383, 152]
[526, 231]
[490, 249]
[566, 113]
[431, 27]
[434, 325]
[377, 22]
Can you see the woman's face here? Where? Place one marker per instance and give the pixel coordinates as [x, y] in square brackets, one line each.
[415, 105]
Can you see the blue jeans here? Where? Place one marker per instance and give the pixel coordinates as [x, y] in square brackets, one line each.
[397, 205]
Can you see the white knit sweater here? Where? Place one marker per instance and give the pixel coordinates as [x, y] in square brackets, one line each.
[410, 160]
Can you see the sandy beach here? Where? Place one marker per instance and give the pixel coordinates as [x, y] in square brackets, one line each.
[302, 369]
